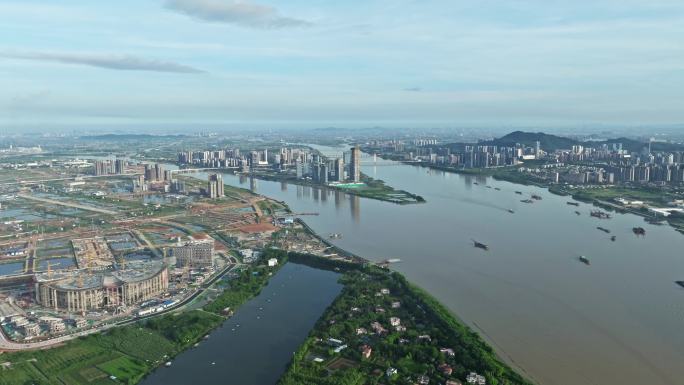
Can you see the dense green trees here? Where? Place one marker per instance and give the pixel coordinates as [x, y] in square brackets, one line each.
[430, 327]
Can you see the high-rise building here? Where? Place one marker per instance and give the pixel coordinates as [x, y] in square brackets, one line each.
[99, 167]
[323, 176]
[355, 165]
[149, 173]
[316, 173]
[299, 166]
[177, 186]
[219, 181]
[254, 158]
[212, 188]
[194, 254]
[119, 166]
[339, 169]
[103, 167]
[158, 172]
[215, 186]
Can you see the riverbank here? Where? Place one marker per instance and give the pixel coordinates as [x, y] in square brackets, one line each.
[129, 353]
[383, 326]
[600, 196]
[371, 188]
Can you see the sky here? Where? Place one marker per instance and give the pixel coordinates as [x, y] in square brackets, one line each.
[352, 63]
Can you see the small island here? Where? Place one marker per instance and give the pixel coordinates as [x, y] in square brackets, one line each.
[382, 329]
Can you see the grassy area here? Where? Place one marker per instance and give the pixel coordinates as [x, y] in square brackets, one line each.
[248, 284]
[378, 189]
[652, 196]
[128, 353]
[270, 207]
[432, 341]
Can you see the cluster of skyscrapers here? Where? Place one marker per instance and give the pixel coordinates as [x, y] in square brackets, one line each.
[302, 162]
[476, 156]
[109, 167]
[156, 173]
[214, 187]
[610, 163]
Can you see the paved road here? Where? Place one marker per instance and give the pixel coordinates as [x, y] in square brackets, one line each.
[68, 204]
[67, 178]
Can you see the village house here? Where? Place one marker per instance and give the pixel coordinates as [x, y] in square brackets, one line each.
[366, 351]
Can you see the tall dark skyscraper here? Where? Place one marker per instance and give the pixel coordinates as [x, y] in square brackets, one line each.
[355, 165]
[119, 166]
[158, 172]
[323, 174]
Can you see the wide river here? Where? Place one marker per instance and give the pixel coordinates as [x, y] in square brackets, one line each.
[560, 322]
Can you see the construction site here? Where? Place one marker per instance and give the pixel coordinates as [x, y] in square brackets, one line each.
[78, 254]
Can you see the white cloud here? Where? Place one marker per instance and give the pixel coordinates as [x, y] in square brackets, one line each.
[240, 13]
[109, 61]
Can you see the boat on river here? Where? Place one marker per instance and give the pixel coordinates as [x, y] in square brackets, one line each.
[605, 230]
[584, 260]
[639, 231]
[572, 203]
[480, 245]
[511, 211]
[599, 214]
[680, 283]
[519, 192]
[536, 197]
[578, 213]
[385, 264]
[613, 238]
[527, 201]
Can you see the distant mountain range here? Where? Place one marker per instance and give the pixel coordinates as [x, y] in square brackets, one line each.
[550, 142]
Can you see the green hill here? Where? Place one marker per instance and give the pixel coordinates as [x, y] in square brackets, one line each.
[551, 142]
[548, 142]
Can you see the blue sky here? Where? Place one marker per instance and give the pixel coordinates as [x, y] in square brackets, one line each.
[350, 63]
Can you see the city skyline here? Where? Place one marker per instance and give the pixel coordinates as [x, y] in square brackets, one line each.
[307, 64]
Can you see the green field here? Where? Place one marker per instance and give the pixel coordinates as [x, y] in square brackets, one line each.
[653, 196]
[128, 353]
